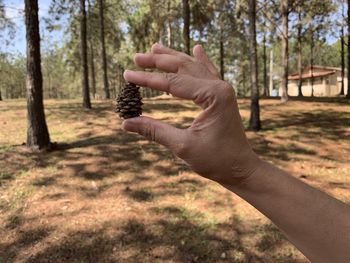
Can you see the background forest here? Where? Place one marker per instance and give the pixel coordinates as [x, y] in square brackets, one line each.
[133, 26]
[75, 187]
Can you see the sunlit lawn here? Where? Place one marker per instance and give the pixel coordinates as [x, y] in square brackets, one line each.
[108, 196]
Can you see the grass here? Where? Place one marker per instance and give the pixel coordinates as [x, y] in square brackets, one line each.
[109, 196]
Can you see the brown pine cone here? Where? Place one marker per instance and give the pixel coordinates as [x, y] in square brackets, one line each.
[129, 102]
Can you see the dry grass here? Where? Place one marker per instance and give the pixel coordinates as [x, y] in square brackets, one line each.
[108, 196]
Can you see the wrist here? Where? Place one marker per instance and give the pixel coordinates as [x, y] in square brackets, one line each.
[244, 170]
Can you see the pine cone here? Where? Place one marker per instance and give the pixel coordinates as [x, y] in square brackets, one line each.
[129, 102]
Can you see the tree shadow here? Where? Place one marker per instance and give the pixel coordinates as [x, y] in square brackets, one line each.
[331, 124]
[184, 236]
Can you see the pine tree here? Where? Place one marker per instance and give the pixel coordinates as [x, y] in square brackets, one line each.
[284, 37]
[186, 27]
[103, 50]
[254, 122]
[83, 56]
[348, 46]
[37, 132]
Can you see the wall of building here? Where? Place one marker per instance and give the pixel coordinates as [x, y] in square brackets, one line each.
[328, 86]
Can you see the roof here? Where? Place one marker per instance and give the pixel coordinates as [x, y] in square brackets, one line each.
[315, 67]
[308, 75]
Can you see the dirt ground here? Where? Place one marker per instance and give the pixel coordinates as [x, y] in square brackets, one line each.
[109, 196]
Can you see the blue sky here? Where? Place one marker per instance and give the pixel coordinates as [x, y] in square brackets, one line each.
[14, 10]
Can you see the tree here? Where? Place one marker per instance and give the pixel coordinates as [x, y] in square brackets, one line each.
[37, 132]
[266, 26]
[342, 49]
[284, 37]
[318, 24]
[103, 50]
[92, 52]
[186, 12]
[83, 56]
[254, 122]
[93, 73]
[299, 47]
[348, 46]
[5, 23]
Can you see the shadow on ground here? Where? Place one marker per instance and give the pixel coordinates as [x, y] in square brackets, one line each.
[118, 164]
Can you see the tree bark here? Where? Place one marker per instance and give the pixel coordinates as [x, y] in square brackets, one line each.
[93, 73]
[348, 49]
[222, 55]
[254, 122]
[266, 88]
[348, 46]
[103, 51]
[312, 63]
[300, 70]
[284, 82]
[342, 51]
[83, 56]
[271, 72]
[37, 133]
[186, 12]
[169, 27]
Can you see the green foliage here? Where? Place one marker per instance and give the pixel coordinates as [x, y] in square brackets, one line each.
[133, 26]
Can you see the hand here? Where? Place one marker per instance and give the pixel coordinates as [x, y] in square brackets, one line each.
[215, 145]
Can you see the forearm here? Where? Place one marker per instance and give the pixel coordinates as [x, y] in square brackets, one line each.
[314, 222]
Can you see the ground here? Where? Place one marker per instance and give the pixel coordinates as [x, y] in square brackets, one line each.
[109, 196]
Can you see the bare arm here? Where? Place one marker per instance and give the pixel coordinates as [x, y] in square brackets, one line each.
[215, 147]
[317, 224]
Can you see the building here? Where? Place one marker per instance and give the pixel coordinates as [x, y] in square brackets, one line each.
[324, 81]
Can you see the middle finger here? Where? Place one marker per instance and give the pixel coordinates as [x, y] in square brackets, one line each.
[164, 62]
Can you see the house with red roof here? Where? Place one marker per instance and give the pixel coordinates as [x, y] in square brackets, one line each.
[318, 81]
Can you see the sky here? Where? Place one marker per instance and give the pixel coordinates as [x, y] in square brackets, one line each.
[15, 11]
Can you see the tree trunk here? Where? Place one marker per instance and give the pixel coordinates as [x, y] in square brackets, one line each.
[271, 72]
[222, 55]
[254, 122]
[37, 133]
[169, 27]
[342, 51]
[300, 70]
[93, 73]
[284, 82]
[266, 88]
[103, 51]
[312, 63]
[186, 30]
[83, 56]
[348, 70]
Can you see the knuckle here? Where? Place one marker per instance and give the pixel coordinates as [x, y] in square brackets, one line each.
[170, 76]
[225, 91]
[149, 132]
[172, 79]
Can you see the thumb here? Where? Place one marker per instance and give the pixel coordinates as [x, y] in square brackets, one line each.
[200, 54]
[155, 130]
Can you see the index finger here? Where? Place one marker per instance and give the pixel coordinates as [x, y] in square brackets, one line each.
[164, 62]
[160, 49]
[182, 86]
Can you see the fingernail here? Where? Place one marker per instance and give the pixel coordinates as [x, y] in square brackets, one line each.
[126, 72]
[129, 125]
[158, 45]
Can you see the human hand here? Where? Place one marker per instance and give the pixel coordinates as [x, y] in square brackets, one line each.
[215, 145]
